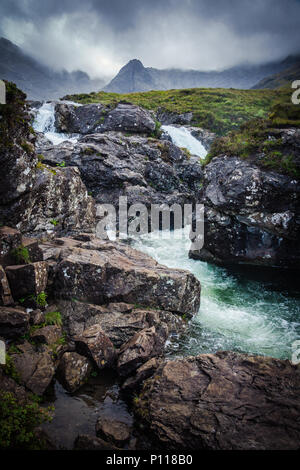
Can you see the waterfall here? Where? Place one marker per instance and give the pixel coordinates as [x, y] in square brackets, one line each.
[182, 137]
[45, 123]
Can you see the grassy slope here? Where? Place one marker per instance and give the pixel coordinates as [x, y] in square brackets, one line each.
[217, 109]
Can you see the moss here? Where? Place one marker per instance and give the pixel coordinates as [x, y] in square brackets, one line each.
[42, 167]
[53, 318]
[186, 152]
[10, 368]
[18, 422]
[219, 110]
[21, 255]
[88, 151]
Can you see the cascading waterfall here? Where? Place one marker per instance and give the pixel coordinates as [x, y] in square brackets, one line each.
[182, 137]
[45, 123]
[236, 313]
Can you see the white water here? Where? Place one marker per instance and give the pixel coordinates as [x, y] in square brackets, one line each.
[183, 138]
[45, 122]
[236, 313]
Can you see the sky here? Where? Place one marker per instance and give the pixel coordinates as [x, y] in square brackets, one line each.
[100, 36]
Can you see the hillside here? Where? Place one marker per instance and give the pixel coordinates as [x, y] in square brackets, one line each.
[134, 77]
[219, 110]
[285, 77]
[38, 81]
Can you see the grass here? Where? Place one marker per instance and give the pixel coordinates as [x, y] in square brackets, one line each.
[21, 255]
[217, 109]
[260, 141]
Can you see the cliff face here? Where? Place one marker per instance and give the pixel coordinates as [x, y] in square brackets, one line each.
[32, 194]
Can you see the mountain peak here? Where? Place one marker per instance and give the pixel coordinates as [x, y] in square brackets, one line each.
[134, 64]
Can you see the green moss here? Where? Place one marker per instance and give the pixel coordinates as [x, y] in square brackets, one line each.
[259, 141]
[10, 368]
[219, 110]
[21, 255]
[88, 151]
[18, 422]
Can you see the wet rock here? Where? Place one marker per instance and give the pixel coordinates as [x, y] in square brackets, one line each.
[10, 239]
[94, 344]
[14, 322]
[101, 272]
[251, 215]
[47, 335]
[142, 373]
[73, 371]
[113, 430]
[88, 442]
[119, 321]
[36, 370]
[27, 279]
[142, 347]
[144, 170]
[5, 293]
[223, 401]
[36, 317]
[95, 118]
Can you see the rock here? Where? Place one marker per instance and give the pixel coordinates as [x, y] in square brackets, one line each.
[223, 401]
[102, 272]
[5, 293]
[144, 170]
[34, 197]
[47, 335]
[36, 317]
[142, 373]
[32, 246]
[94, 344]
[251, 215]
[143, 346]
[113, 430]
[27, 279]
[36, 370]
[167, 117]
[73, 371]
[95, 118]
[10, 239]
[119, 321]
[7, 384]
[14, 322]
[87, 442]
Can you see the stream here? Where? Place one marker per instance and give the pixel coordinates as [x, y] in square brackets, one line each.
[246, 310]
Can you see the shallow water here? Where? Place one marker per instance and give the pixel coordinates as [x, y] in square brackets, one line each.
[241, 310]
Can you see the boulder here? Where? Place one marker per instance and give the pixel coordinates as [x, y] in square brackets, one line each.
[133, 383]
[94, 344]
[10, 239]
[101, 272]
[27, 279]
[119, 321]
[5, 293]
[36, 317]
[47, 334]
[14, 322]
[223, 401]
[36, 370]
[251, 215]
[96, 118]
[143, 346]
[73, 371]
[113, 430]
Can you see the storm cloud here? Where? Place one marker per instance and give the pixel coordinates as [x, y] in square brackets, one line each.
[100, 36]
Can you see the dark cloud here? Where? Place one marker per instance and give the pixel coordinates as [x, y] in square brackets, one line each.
[99, 36]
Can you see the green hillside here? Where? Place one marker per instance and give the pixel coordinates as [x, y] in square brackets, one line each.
[217, 109]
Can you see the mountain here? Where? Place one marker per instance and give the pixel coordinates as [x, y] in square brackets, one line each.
[38, 81]
[134, 77]
[290, 73]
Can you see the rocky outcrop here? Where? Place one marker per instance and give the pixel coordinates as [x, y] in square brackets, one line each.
[5, 292]
[223, 401]
[27, 279]
[167, 117]
[251, 215]
[146, 171]
[97, 118]
[32, 194]
[99, 272]
[94, 344]
[14, 322]
[114, 431]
